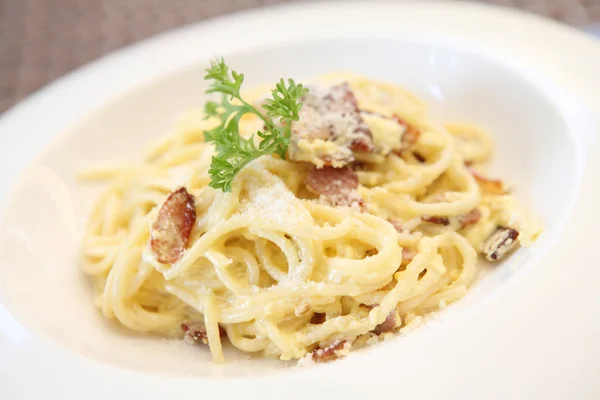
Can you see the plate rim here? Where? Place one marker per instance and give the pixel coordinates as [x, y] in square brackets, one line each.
[16, 119]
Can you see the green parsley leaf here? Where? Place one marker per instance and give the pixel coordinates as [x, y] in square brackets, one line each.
[232, 151]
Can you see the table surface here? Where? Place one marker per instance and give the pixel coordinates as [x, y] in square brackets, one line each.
[41, 40]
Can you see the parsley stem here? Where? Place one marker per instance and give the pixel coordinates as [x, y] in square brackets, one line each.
[254, 111]
[232, 151]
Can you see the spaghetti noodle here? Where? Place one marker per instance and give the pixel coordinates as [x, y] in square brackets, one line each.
[304, 258]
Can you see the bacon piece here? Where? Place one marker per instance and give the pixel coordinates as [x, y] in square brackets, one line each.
[318, 318]
[470, 218]
[488, 186]
[171, 230]
[328, 353]
[362, 144]
[341, 100]
[196, 332]
[500, 243]
[388, 325]
[337, 185]
[420, 158]
[330, 128]
[456, 222]
[437, 220]
[410, 136]
[332, 181]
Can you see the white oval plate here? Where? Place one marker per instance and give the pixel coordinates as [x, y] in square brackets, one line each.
[528, 329]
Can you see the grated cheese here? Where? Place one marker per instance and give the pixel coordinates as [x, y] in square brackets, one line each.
[329, 124]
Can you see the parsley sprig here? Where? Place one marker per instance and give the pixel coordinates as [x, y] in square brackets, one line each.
[232, 151]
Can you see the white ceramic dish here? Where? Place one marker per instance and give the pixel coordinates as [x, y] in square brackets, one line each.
[528, 329]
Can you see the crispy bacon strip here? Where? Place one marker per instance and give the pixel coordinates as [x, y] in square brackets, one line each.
[337, 185]
[341, 99]
[388, 325]
[470, 218]
[323, 354]
[197, 332]
[500, 243]
[420, 158]
[456, 222]
[410, 136]
[331, 117]
[171, 230]
[488, 186]
[318, 318]
[331, 181]
[437, 220]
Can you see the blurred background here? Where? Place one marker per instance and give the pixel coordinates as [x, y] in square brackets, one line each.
[41, 40]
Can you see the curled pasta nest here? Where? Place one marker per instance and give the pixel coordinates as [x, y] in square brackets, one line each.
[279, 271]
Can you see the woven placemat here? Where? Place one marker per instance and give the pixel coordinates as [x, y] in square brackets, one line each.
[41, 40]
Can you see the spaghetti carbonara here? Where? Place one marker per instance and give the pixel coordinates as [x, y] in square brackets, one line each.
[374, 219]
